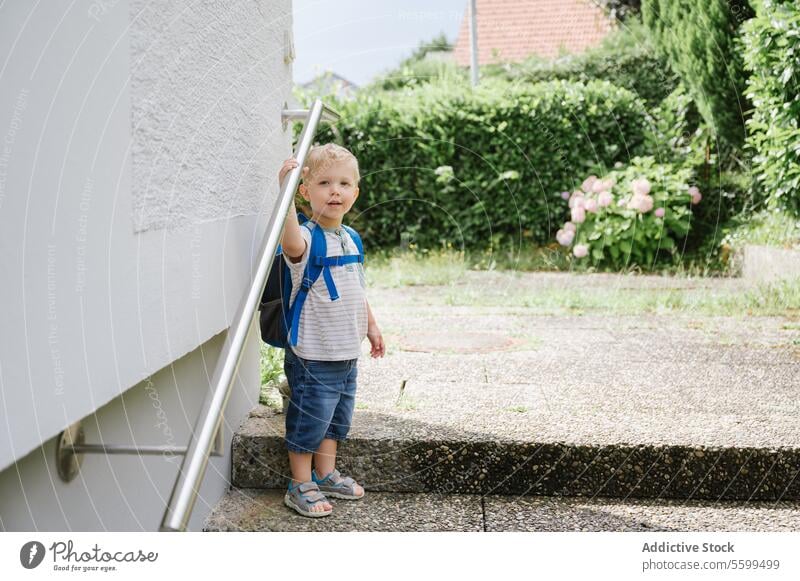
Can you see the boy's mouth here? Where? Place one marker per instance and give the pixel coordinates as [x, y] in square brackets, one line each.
[334, 203]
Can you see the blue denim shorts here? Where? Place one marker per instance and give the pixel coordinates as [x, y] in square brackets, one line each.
[322, 402]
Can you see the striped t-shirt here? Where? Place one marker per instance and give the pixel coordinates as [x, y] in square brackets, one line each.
[331, 330]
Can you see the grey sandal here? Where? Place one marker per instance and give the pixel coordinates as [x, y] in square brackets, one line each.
[303, 496]
[337, 486]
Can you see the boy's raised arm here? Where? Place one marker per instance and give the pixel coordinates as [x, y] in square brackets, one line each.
[291, 241]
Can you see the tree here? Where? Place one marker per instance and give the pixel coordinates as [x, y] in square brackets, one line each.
[419, 68]
[620, 9]
[699, 41]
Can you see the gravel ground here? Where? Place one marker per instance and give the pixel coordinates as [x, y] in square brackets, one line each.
[263, 510]
[492, 398]
[576, 514]
[675, 378]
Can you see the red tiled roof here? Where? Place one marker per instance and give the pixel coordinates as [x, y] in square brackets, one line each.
[511, 30]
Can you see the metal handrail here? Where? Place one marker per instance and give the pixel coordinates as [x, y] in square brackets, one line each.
[209, 420]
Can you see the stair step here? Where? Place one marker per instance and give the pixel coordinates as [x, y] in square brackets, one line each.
[263, 510]
[388, 453]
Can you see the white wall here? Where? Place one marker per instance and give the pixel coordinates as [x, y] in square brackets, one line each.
[130, 492]
[138, 147]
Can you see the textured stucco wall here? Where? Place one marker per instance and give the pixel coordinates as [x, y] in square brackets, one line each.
[134, 194]
[205, 94]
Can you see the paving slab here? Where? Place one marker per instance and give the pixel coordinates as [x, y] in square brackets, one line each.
[556, 514]
[670, 405]
[263, 510]
[588, 388]
[770, 263]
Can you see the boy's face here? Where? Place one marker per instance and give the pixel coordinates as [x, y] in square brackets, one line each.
[331, 191]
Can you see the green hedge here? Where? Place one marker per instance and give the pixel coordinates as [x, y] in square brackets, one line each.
[417, 73]
[772, 47]
[679, 137]
[447, 165]
[626, 58]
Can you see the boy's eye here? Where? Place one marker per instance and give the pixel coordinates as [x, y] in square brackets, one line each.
[323, 182]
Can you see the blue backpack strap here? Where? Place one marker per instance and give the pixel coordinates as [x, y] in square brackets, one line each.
[319, 263]
[326, 274]
[338, 260]
[310, 274]
[327, 262]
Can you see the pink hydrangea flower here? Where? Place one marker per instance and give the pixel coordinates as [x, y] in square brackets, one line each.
[660, 212]
[694, 191]
[578, 214]
[591, 205]
[565, 237]
[641, 187]
[565, 195]
[569, 226]
[580, 250]
[604, 199]
[598, 186]
[587, 184]
[608, 183]
[573, 199]
[641, 204]
[633, 204]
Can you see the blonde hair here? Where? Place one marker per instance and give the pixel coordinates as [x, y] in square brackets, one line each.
[320, 157]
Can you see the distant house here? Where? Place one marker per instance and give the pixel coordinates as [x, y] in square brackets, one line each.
[513, 30]
[330, 84]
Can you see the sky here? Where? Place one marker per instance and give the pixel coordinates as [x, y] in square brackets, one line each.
[359, 39]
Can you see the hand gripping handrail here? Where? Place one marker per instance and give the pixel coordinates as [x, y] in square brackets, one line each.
[209, 420]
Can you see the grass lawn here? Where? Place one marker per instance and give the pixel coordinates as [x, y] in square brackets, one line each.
[397, 267]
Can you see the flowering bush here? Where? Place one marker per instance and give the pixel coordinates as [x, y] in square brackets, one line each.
[631, 215]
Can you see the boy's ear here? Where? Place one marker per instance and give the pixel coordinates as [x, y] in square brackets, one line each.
[355, 196]
[303, 191]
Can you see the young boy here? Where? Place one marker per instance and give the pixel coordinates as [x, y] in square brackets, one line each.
[322, 368]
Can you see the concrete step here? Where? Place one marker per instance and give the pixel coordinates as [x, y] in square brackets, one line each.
[770, 264]
[263, 510]
[430, 454]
